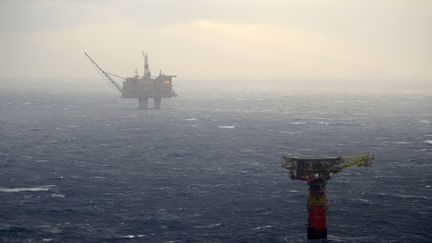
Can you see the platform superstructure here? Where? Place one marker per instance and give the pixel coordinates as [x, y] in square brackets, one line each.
[144, 87]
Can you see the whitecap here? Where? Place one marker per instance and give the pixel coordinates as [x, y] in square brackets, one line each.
[132, 236]
[411, 196]
[58, 195]
[208, 226]
[248, 151]
[403, 142]
[227, 127]
[424, 121]
[428, 141]
[28, 189]
[190, 119]
[361, 200]
[262, 227]
[297, 123]
[397, 142]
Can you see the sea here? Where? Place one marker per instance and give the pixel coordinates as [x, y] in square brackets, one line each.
[81, 164]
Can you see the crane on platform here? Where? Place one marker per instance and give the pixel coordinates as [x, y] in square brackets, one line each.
[316, 171]
[106, 74]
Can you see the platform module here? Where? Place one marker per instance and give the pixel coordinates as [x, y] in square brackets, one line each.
[316, 171]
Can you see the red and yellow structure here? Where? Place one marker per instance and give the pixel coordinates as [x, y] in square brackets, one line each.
[316, 171]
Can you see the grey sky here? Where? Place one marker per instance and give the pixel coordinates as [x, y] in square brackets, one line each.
[220, 39]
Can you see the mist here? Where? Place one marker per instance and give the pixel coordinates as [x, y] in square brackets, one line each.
[252, 121]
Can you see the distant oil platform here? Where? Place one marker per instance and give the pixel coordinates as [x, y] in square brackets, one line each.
[316, 171]
[142, 88]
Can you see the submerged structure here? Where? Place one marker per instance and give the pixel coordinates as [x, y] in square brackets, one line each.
[316, 171]
[142, 88]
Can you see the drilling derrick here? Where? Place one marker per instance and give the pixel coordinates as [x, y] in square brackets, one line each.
[147, 73]
[142, 88]
[316, 171]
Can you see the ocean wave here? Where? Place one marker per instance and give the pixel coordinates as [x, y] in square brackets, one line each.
[28, 189]
[297, 123]
[263, 227]
[131, 236]
[397, 142]
[403, 196]
[227, 127]
[208, 226]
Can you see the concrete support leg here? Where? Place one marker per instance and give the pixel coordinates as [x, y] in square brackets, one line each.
[142, 103]
[317, 226]
[157, 103]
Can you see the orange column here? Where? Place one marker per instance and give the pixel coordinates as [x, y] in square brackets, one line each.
[317, 227]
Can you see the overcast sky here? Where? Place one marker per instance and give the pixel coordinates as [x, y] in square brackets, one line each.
[219, 39]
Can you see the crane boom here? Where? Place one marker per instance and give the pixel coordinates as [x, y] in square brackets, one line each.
[106, 74]
[349, 161]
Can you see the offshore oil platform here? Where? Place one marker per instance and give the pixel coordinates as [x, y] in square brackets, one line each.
[316, 171]
[142, 88]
